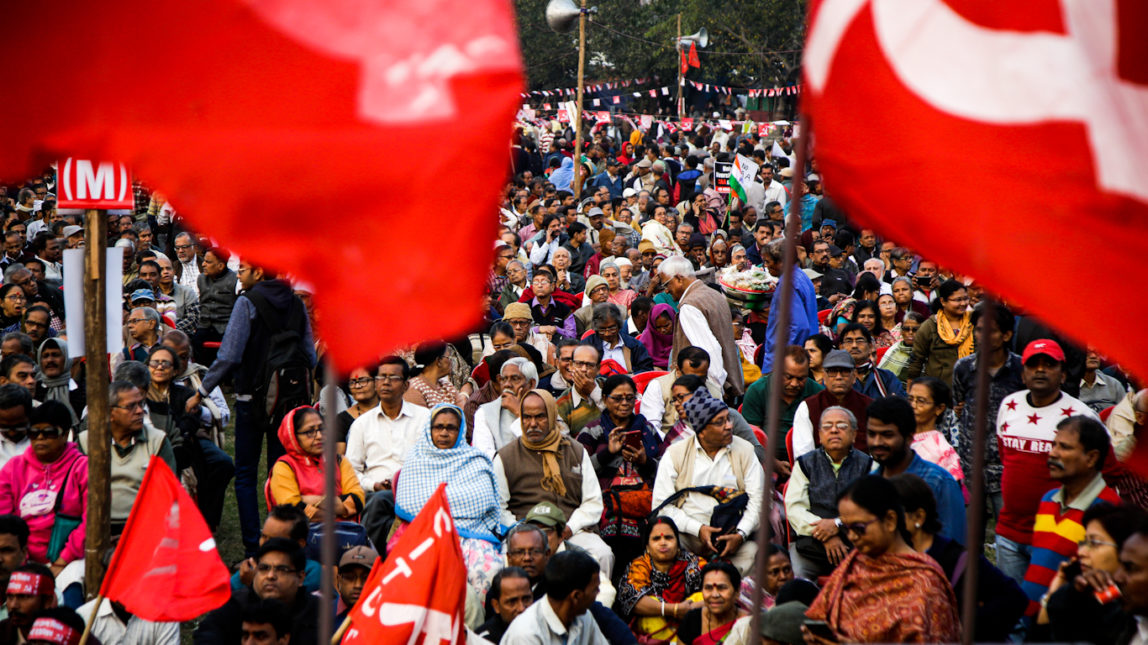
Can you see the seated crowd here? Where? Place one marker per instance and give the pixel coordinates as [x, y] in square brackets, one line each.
[601, 433]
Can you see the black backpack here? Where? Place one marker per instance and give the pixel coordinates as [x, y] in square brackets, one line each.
[284, 380]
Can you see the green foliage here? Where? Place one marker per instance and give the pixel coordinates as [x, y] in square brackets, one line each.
[755, 29]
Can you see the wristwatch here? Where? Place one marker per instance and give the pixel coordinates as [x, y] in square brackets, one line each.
[838, 523]
[744, 537]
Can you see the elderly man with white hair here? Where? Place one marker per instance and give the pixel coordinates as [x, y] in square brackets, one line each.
[704, 321]
[496, 422]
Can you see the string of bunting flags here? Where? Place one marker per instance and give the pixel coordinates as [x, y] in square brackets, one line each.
[589, 89]
[645, 122]
[790, 90]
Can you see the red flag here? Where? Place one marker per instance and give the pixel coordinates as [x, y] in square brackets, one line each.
[265, 122]
[694, 62]
[166, 567]
[1050, 206]
[685, 63]
[418, 595]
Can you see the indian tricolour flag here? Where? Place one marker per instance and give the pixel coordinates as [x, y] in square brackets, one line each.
[741, 176]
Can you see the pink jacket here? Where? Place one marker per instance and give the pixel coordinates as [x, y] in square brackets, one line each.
[24, 476]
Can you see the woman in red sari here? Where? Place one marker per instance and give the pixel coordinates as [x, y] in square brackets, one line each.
[883, 591]
[655, 592]
[718, 620]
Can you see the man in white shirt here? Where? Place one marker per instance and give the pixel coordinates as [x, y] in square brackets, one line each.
[712, 457]
[110, 628]
[188, 270]
[379, 439]
[703, 321]
[15, 406]
[562, 617]
[496, 422]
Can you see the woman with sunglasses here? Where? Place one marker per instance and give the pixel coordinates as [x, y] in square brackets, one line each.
[167, 405]
[47, 485]
[297, 477]
[883, 591]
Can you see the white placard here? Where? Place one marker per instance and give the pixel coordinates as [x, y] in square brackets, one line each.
[74, 299]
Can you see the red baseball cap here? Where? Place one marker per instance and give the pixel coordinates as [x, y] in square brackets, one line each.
[1049, 348]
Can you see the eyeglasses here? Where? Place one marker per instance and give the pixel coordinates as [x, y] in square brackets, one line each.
[309, 433]
[280, 569]
[16, 297]
[623, 398]
[361, 382]
[387, 378]
[160, 364]
[447, 427]
[182, 247]
[586, 365]
[518, 553]
[136, 320]
[46, 433]
[859, 528]
[1093, 543]
[920, 400]
[840, 425]
[139, 405]
[33, 323]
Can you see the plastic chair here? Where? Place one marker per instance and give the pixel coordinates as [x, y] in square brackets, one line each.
[642, 380]
[1105, 413]
[823, 316]
[481, 373]
[761, 436]
[789, 446]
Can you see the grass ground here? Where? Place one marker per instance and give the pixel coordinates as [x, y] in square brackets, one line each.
[227, 538]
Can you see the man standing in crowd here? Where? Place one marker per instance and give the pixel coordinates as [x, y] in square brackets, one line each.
[266, 310]
[703, 321]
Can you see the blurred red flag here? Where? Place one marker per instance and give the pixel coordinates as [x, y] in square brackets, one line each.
[694, 62]
[166, 567]
[357, 145]
[418, 595]
[1008, 141]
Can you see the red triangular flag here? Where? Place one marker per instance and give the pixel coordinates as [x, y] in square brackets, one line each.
[166, 567]
[694, 62]
[685, 63]
[298, 109]
[418, 595]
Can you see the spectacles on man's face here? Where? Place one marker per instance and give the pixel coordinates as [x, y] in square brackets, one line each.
[518, 553]
[383, 379]
[138, 405]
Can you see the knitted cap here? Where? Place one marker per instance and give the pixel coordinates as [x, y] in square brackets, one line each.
[701, 408]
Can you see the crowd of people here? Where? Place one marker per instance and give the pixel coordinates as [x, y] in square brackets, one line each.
[601, 430]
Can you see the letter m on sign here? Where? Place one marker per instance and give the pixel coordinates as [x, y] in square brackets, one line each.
[94, 184]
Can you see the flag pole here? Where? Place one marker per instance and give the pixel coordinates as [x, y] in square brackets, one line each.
[780, 341]
[578, 108]
[342, 630]
[330, 466]
[678, 63]
[99, 451]
[975, 536]
[91, 620]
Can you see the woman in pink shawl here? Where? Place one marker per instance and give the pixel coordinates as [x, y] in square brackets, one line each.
[659, 334]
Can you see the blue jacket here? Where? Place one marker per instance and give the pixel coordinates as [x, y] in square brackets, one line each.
[616, 185]
[950, 499]
[802, 317]
[893, 386]
[640, 360]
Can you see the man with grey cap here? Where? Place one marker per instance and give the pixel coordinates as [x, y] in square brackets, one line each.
[641, 178]
[552, 521]
[782, 624]
[354, 569]
[711, 457]
[840, 375]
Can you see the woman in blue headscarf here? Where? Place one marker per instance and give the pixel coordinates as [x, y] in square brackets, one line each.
[562, 177]
[440, 455]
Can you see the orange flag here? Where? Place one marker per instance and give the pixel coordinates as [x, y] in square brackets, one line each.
[166, 568]
[419, 593]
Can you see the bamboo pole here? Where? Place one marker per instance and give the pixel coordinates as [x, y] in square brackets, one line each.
[99, 439]
[330, 466]
[578, 108]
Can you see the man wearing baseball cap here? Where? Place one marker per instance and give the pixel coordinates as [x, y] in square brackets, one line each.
[353, 571]
[1026, 429]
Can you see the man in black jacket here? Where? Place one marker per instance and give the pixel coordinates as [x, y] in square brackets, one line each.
[508, 597]
[266, 308]
[278, 576]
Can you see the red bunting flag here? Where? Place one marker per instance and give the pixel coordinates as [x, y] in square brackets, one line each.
[694, 62]
[685, 63]
[166, 567]
[297, 109]
[418, 595]
[1061, 150]
[687, 123]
